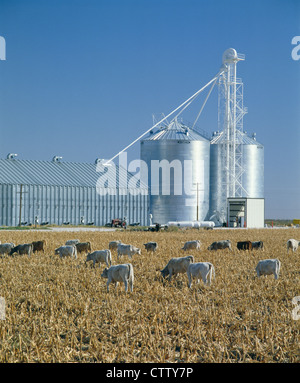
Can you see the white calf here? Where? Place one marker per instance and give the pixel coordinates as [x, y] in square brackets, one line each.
[113, 245]
[151, 246]
[129, 250]
[99, 256]
[5, 248]
[268, 267]
[190, 245]
[66, 251]
[71, 242]
[200, 270]
[292, 244]
[119, 273]
[177, 266]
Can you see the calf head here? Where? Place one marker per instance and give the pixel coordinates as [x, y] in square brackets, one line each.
[105, 273]
[165, 272]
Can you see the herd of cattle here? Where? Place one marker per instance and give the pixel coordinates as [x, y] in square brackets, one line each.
[124, 272]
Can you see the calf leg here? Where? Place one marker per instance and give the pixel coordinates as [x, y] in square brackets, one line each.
[131, 285]
[258, 273]
[190, 280]
[126, 285]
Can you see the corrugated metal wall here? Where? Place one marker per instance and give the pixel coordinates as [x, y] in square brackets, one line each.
[255, 213]
[60, 204]
[186, 155]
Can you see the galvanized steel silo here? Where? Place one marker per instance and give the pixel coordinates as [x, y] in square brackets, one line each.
[177, 160]
[253, 162]
[252, 177]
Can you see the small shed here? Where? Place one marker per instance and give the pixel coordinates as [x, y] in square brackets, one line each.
[246, 212]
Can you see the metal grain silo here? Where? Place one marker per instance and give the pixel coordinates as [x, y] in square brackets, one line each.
[177, 160]
[253, 163]
[252, 178]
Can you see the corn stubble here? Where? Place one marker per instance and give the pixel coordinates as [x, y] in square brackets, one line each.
[58, 310]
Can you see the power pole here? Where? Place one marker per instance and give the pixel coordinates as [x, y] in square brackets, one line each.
[21, 195]
[197, 201]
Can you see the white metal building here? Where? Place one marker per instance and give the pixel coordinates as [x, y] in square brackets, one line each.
[246, 212]
[61, 192]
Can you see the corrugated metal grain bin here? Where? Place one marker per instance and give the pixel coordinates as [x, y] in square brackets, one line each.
[177, 159]
[252, 177]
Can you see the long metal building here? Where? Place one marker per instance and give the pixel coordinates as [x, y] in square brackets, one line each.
[61, 192]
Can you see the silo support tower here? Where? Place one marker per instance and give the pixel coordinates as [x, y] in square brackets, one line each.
[230, 120]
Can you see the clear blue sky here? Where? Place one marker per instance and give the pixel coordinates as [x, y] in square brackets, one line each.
[82, 78]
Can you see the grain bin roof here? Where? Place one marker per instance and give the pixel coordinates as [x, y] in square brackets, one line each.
[176, 131]
[53, 173]
[241, 138]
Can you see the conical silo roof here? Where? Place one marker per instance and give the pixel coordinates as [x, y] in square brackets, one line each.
[176, 131]
[241, 138]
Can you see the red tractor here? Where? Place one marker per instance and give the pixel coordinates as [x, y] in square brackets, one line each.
[118, 223]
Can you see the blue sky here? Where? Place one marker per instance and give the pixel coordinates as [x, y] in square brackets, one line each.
[83, 78]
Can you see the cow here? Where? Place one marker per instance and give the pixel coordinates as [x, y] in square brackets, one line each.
[71, 242]
[113, 245]
[245, 245]
[83, 247]
[99, 256]
[66, 251]
[200, 270]
[119, 273]
[267, 267]
[258, 245]
[226, 244]
[151, 246]
[292, 244]
[191, 245]
[5, 248]
[177, 266]
[25, 248]
[129, 250]
[38, 246]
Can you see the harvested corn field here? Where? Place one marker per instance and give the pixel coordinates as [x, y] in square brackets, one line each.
[58, 310]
